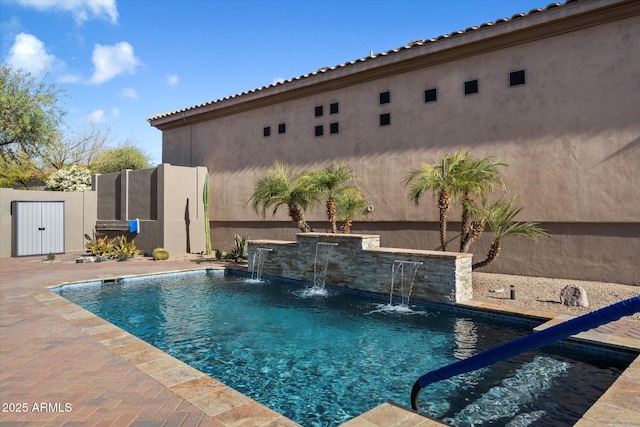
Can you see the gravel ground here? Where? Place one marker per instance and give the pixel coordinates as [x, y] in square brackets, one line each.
[544, 293]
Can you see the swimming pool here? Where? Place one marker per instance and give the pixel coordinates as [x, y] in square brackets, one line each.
[323, 360]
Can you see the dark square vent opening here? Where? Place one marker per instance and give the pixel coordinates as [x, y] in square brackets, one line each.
[318, 111]
[334, 127]
[385, 119]
[319, 130]
[266, 131]
[430, 95]
[282, 128]
[516, 78]
[385, 97]
[334, 108]
[471, 87]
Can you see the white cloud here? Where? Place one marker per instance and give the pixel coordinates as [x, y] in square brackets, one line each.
[129, 92]
[97, 116]
[111, 61]
[115, 112]
[28, 52]
[70, 78]
[172, 79]
[82, 10]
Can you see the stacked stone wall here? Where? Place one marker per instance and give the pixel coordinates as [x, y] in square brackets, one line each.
[358, 262]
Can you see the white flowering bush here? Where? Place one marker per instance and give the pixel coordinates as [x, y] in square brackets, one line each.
[72, 178]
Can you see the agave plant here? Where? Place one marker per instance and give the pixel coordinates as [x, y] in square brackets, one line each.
[240, 248]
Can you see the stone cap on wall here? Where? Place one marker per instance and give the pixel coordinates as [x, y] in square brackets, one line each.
[433, 254]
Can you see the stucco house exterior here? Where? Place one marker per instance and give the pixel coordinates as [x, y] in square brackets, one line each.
[554, 92]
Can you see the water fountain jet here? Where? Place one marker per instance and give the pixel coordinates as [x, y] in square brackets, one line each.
[398, 269]
[320, 264]
[259, 257]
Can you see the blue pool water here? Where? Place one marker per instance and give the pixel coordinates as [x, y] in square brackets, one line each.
[322, 360]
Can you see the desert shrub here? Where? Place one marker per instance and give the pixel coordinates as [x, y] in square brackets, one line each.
[240, 248]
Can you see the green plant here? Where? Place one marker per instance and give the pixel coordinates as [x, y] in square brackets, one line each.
[101, 246]
[207, 224]
[51, 256]
[218, 253]
[442, 179]
[281, 187]
[499, 216]
[123, 250]
[160, 254]
[240, 248]
[71, 178]
[101, 258]
[330, 184]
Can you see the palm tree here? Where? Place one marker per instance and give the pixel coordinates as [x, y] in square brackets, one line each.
[350, 204]
[330, 183]
[281, 187]
[442, 179]
[476, 176]
[499, 216]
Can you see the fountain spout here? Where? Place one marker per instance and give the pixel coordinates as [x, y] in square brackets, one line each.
[321, 262]
[259, 257]
[403, 274]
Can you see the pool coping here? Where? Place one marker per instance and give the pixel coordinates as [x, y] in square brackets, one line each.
[227, 406]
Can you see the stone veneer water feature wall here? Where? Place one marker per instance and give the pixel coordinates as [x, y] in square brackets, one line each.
[358, 262]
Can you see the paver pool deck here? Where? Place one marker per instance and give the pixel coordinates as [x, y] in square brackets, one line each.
[61, 365]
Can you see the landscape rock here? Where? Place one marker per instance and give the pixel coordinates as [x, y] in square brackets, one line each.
[574, 295]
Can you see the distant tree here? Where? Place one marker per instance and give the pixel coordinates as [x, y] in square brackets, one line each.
[29, 113]
[499, 216]
[79, 147]
[281, 187]
[70, 178]
[21, 172]
[126, 156]
[330, 184]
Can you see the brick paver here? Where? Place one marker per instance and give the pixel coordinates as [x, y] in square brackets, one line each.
[58, 374]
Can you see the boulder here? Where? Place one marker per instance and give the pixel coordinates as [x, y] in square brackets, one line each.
[574, 295]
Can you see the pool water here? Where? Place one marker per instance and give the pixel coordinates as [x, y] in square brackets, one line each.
[322, 360]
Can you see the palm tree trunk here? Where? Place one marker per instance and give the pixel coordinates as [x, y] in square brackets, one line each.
[298, 217]
[465, 234]
[443, 207]
[475, 235]
[346, 227]
[331, 214]
[493, 253]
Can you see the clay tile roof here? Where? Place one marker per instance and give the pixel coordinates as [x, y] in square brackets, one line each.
[372, 57]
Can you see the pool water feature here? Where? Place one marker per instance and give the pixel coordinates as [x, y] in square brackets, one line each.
[321, 264]
[324, 360]
[259, 257]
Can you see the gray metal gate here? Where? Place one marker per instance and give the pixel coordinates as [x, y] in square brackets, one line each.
[38, 228]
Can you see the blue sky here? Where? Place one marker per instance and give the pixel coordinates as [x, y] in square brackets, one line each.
[120, 62]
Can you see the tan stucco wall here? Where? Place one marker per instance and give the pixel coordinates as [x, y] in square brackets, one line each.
[570, 135]
[80, 210]
[167, 200]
